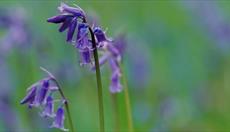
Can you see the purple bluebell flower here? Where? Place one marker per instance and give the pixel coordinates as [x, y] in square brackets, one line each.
[58, 18]
[68, 17]
[40, 95]
[42, 92]
[29, 98]
[82, 40]
[85, 55]
[49, 108]
[112, 51]
[100, 35]
[112, 55]
[59, 119]
[71, 29]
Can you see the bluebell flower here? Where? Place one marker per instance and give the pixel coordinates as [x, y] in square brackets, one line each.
[68, 17]
[42, 92]
[74, 19]
[59, 119]
[30, 97]
[82, 40]
[112, 54]
[48, 110]
[100, 36]
[40, 95]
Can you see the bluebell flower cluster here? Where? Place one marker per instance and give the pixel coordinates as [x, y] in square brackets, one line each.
[40, 95]
[74, 20]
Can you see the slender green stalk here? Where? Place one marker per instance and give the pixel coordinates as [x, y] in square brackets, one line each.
[99, 85]
[63, 96]
[116, 111]
[66, 104]
[128, 105]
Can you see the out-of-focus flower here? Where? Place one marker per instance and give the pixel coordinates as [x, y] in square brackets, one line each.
[112, 54]
[59, 120]
[40, 95]
[13, 23]
[214, 21]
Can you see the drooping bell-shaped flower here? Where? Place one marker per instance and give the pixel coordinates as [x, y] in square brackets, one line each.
[59, 119]
[68, 17]
[42, 92]
[82, 40]
[101, 37]
[49, 108]
[29, 98]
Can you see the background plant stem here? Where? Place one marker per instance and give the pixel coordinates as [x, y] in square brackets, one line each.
[128, 105]
[116, 111]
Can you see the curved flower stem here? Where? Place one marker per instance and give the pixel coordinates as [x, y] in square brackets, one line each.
[99, 85]
[128, 105]
[63, 96]
[66, 105]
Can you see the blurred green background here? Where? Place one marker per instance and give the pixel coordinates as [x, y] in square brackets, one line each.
[177, 64]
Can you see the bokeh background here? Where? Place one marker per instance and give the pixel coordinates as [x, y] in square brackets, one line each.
[176, 61]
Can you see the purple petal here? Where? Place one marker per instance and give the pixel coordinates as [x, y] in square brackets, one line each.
[82, 37]
[65, 25]
[30, 96]
[49, 108]
[85, 56]
[58, 18]
[72, 28]
[100, 35]
[115, 85]
[64, 8]
[59, 119]
[41, 95]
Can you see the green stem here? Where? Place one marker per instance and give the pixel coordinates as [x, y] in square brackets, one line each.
[116, 111]
[128, 105]
[66, 104]
[99, 85]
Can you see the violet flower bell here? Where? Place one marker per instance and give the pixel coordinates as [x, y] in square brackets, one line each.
[48, 110]
[101, 37]
[68, 17]
[59, 119]
[42, 92]
[30, 97]
[40, 95]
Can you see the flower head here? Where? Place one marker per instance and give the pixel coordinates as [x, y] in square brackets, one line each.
[68, 17]
[40, 95]
[74, 19]
[59, 119]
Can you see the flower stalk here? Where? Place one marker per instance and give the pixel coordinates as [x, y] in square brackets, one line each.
[128, 105]
[99, 84]
[66, 105]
